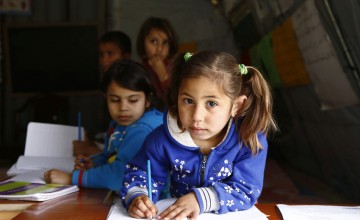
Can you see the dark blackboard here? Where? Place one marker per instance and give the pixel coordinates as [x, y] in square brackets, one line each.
[52, 58]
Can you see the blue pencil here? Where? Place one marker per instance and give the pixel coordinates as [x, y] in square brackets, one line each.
[149, 179]
[79, 126]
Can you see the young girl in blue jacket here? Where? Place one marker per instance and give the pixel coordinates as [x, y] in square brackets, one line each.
[131, 100]
[213, 141]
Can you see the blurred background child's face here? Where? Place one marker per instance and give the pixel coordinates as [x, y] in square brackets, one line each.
[156, 44]
[125, 106]
[108, 53]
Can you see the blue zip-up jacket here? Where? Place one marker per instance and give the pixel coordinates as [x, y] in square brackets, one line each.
[229, 179]
[121, 144]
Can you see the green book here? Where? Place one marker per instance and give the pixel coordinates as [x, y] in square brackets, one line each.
[16, 190]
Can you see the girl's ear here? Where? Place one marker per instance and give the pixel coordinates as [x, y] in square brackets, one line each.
[147, 103]
[238, 104]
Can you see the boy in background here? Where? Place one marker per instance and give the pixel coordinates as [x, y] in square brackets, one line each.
[113, 46]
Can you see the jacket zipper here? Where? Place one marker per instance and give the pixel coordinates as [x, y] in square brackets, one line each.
[203, 165]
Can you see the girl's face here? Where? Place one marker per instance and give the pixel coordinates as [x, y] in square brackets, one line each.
[157, 44]
[125, 106]
[108, 53]
[204, 110]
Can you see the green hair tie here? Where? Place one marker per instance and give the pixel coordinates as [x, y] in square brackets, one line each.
[187, 56]
[243, 69]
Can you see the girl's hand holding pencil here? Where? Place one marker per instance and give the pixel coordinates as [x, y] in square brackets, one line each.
[142, 207]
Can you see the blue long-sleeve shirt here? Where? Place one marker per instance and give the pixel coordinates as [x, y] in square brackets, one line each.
[121, 145]
[230, 178]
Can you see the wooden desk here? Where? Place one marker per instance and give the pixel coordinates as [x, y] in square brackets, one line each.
[271, 210]
[86, 204]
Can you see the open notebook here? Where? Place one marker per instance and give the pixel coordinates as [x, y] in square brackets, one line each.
[47, 146]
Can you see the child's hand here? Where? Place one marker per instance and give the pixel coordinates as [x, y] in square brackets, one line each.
[185, 206]
[83, 163]
[85, 147]
[142, 207]
[158, 65]
[57, 176]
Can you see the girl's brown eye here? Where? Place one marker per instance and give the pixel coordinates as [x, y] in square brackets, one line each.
[212, 104]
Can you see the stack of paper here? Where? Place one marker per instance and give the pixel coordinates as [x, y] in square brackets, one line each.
[14, 190]
[117, 211]
[319, 212]
[47, 146]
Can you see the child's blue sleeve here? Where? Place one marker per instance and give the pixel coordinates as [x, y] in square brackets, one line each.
[135, 178]
[99, 159]
[110, 175]
[242, 189]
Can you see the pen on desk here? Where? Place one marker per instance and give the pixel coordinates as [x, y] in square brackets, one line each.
[79, 126]
[149, 180]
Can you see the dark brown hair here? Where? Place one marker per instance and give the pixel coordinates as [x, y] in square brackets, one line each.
[131, 75]
[223, 69]
[119, 38]
[157, 23]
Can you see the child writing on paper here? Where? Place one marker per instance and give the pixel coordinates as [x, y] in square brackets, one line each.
[131, 101]
[113, 46]
[157, 46]
[212, 141]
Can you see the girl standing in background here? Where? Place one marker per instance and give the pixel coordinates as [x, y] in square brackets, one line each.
[157, 45]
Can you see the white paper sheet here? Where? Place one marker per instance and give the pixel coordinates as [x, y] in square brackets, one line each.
[37, 163]
[319, 212]
[34, 176]
[118, 212]
[47, 146]
[50, 140]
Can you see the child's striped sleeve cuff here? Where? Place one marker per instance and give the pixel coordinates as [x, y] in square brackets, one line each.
[134, 192]
[207, 198]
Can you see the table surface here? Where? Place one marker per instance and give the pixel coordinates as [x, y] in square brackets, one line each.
[86, 204]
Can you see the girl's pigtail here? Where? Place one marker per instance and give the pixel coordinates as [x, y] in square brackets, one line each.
[257, 110]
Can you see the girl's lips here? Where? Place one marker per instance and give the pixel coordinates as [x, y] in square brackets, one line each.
[123, 117]
[196, 130]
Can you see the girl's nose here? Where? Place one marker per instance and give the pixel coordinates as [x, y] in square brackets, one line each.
[122, 106]
[159, 48]
[198, 114]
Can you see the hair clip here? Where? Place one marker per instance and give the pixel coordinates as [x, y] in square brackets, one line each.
[187, 56]
[243, 69]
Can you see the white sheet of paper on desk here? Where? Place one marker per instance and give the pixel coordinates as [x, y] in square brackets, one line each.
[319, 212]
[34, 176]
[50, 140]
[118, 212]
[39, 163]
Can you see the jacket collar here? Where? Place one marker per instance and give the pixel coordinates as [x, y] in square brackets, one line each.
[183, 137]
